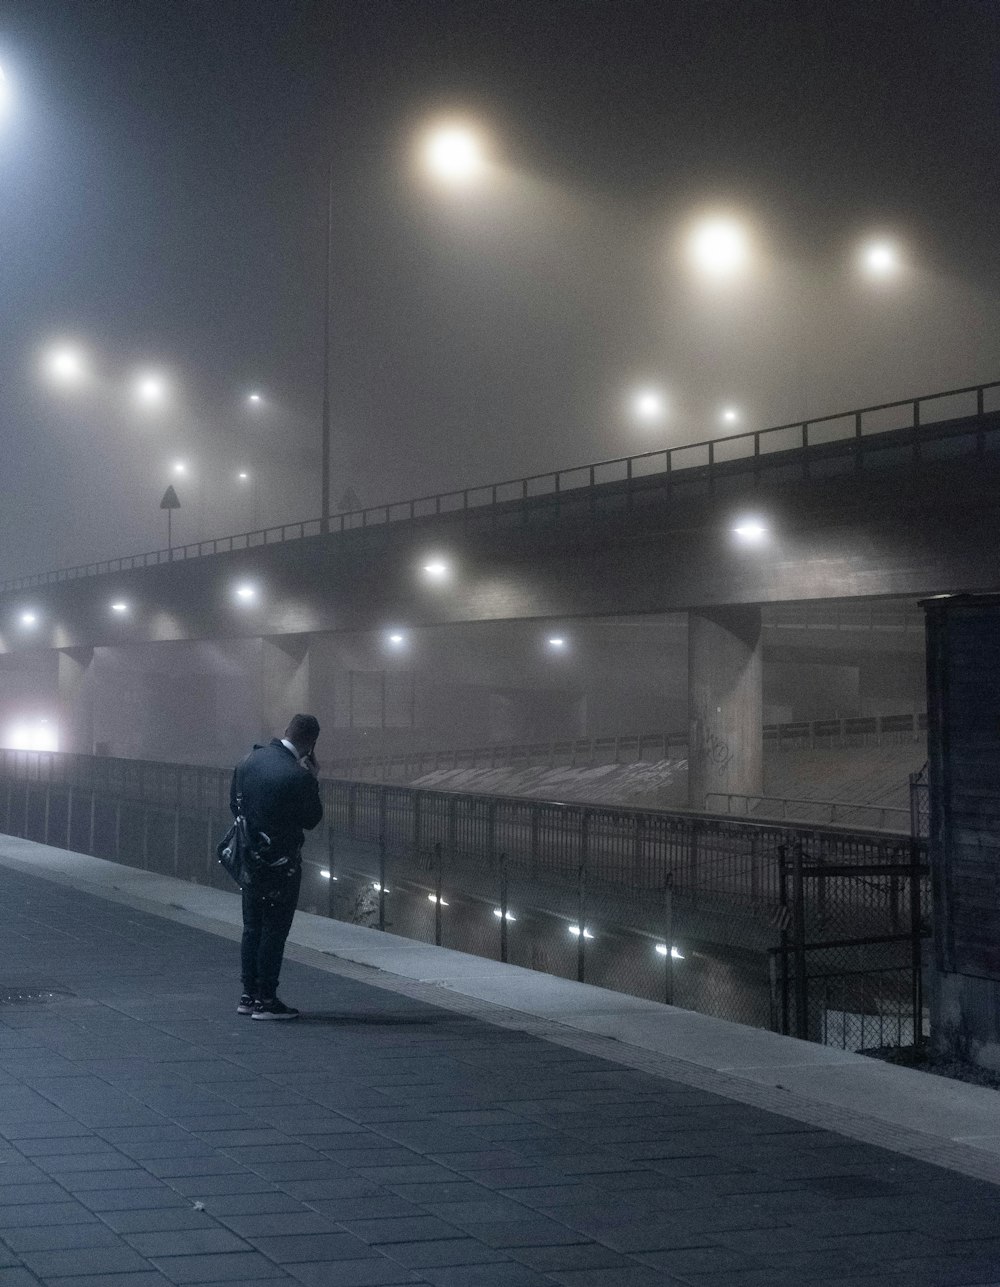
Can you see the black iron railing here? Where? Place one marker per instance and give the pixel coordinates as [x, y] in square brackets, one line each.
[863, 431]
[732, 918]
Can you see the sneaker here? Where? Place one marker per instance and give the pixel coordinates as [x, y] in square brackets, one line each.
[246, 1004]
[273, 1009]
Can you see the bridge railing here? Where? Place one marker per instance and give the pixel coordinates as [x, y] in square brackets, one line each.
[862, 431]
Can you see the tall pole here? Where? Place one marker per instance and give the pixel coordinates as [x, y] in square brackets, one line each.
[325, 520]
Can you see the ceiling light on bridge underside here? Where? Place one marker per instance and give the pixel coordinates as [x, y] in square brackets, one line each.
[180, 467]
[150, 390]
[437, 570]
[246, 593]
[751, 531]
[675, 954]
[396, 639]
[254, 399]
[29, 619]
[119, 608]
[557, 642]
[729, 416]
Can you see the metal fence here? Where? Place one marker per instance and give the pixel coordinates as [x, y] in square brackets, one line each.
[867, 436]
[808, 930]
[623, 748]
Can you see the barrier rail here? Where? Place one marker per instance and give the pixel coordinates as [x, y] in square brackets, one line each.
[882, 816]
[806, 929]
[622, 748]
[864, 432]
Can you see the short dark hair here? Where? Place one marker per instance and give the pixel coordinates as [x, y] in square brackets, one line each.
[303, 730]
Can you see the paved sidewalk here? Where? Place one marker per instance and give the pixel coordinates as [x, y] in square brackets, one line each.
[148, 1135]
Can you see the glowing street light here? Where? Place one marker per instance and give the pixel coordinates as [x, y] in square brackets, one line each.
[454, 154]
[180, 467]
[119, 608]
[881, 259]
[243, 476]
[397, 639]
[254, 399]
[557, 642]
[501, 915]
[675, 954]
[66, 366]
[5, 92]
[575, 931]
[649, 406]
[719, 247]
[29, 619]
[246, 592]
[437, 569]
[729, 416]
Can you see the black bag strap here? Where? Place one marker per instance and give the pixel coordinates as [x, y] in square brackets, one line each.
[240, 768]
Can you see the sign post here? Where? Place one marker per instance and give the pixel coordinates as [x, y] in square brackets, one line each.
[170, 502]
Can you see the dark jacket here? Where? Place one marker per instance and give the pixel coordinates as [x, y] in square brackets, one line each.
[280, 797]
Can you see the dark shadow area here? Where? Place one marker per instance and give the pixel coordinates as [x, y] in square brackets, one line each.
[380, 1020]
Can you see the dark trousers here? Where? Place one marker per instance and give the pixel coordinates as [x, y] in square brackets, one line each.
[265, 928]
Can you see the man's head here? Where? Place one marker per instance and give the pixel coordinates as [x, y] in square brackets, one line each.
[302, 732]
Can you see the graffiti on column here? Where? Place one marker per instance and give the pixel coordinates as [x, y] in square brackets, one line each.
[716, 751]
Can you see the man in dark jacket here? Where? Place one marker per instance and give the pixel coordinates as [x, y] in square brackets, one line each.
[280, 799]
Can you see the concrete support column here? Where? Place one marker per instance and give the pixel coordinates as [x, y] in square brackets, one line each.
[284, 681]
[725, 704]
[76, 700]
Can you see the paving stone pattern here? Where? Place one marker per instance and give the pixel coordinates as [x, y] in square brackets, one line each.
[149, 1135]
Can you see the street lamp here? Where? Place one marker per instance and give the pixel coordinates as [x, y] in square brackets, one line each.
[719, 247]
[729, 416]
[881, 259]
[66, 365]
[649, 406]
[453, 153]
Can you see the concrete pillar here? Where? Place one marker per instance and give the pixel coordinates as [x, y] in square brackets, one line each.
[725, 705]
[284, 682]
[76, 700]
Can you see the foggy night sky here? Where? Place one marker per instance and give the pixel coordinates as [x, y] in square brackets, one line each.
[162, 198]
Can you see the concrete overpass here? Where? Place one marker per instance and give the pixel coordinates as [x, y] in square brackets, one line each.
[895, 500]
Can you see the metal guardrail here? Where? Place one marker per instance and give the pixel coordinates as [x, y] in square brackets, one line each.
[717, 915]
[622, 748]
[860, 430]
[883, 816]
[858, 730]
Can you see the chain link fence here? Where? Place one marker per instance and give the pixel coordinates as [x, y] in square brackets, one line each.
[813, 931]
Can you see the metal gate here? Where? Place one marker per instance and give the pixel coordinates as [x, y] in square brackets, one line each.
[847, 972]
